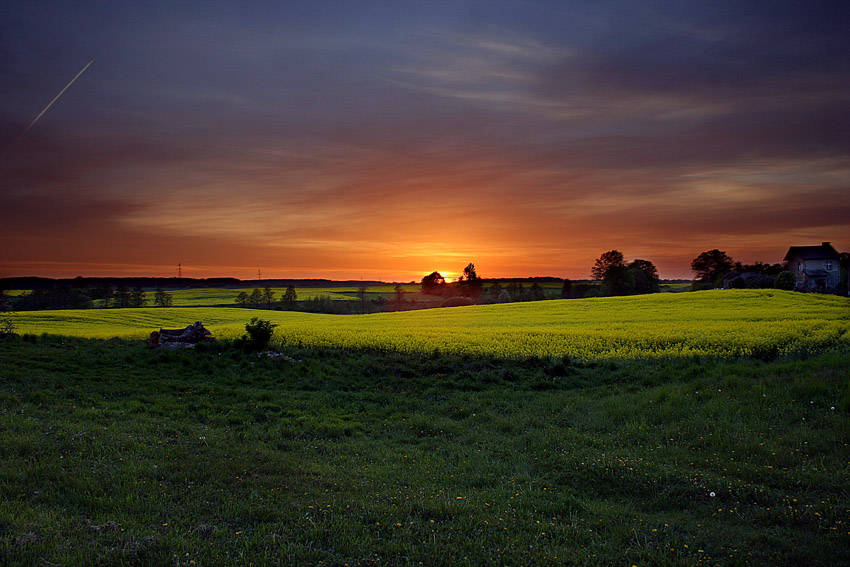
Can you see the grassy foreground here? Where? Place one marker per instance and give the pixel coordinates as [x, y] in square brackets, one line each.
[113, 454]
[734, 323]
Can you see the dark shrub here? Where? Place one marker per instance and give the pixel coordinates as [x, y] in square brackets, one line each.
[259, 334]
[785, 280]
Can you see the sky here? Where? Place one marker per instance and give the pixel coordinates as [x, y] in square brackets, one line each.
[389, 139]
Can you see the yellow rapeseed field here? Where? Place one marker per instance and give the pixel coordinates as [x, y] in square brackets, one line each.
[714, 323]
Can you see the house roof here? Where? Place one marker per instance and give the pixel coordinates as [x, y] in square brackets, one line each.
[824, 251]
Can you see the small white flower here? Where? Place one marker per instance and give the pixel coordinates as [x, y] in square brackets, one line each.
[712, 494]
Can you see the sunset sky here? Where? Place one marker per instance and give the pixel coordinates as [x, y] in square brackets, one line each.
[388, 139]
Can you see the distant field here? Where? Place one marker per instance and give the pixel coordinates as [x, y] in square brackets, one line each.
[218, 297]
[761, 323]
[215, 297]
[202, 297]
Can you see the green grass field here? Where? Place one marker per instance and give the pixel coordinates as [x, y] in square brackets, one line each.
[114, 454]
[440, 437]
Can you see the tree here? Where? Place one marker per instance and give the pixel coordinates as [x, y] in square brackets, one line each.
[619, 280]
[255, 298]
[711, 266]
[289, 297]
[361, 293]
[137, 297]
[54, 297]
[469, 283]
[537, 293]
[162, 299]
[399, 293]
[566, 290]
[268, 296]
[608, 261]
[122, 296]
[433, 284]
[106, 294]
[645, 277]
[494, 293]
[517, 292]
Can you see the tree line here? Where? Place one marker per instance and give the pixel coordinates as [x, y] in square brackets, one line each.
[59, 296]
[614, 277]
[266, 297]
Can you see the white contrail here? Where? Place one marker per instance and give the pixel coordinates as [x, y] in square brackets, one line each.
[46, 108]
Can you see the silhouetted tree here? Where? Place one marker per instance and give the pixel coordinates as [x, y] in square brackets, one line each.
[57, 296]
[163, 299]
[122, 296]
[361, 293]
[469, 283]
[711, 266]
[268, 296]
[609, 260]
[537, 293]
[566, 289]
[494, 293]
[517, 292]
[760, 267]
[433, 284]
[242, 299]
[399, 293]
[137, 297]
[106, 294]
[289, 297]
[255, 298]
[644, 276]
[619, 280]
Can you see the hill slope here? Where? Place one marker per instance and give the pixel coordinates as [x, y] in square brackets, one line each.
[760, 323]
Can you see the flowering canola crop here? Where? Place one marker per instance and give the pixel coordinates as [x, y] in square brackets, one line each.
[714, 323]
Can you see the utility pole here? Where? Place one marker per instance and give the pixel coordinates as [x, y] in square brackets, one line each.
[179, 270]
[259, 276]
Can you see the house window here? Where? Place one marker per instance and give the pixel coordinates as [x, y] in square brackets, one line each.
[829, 265]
